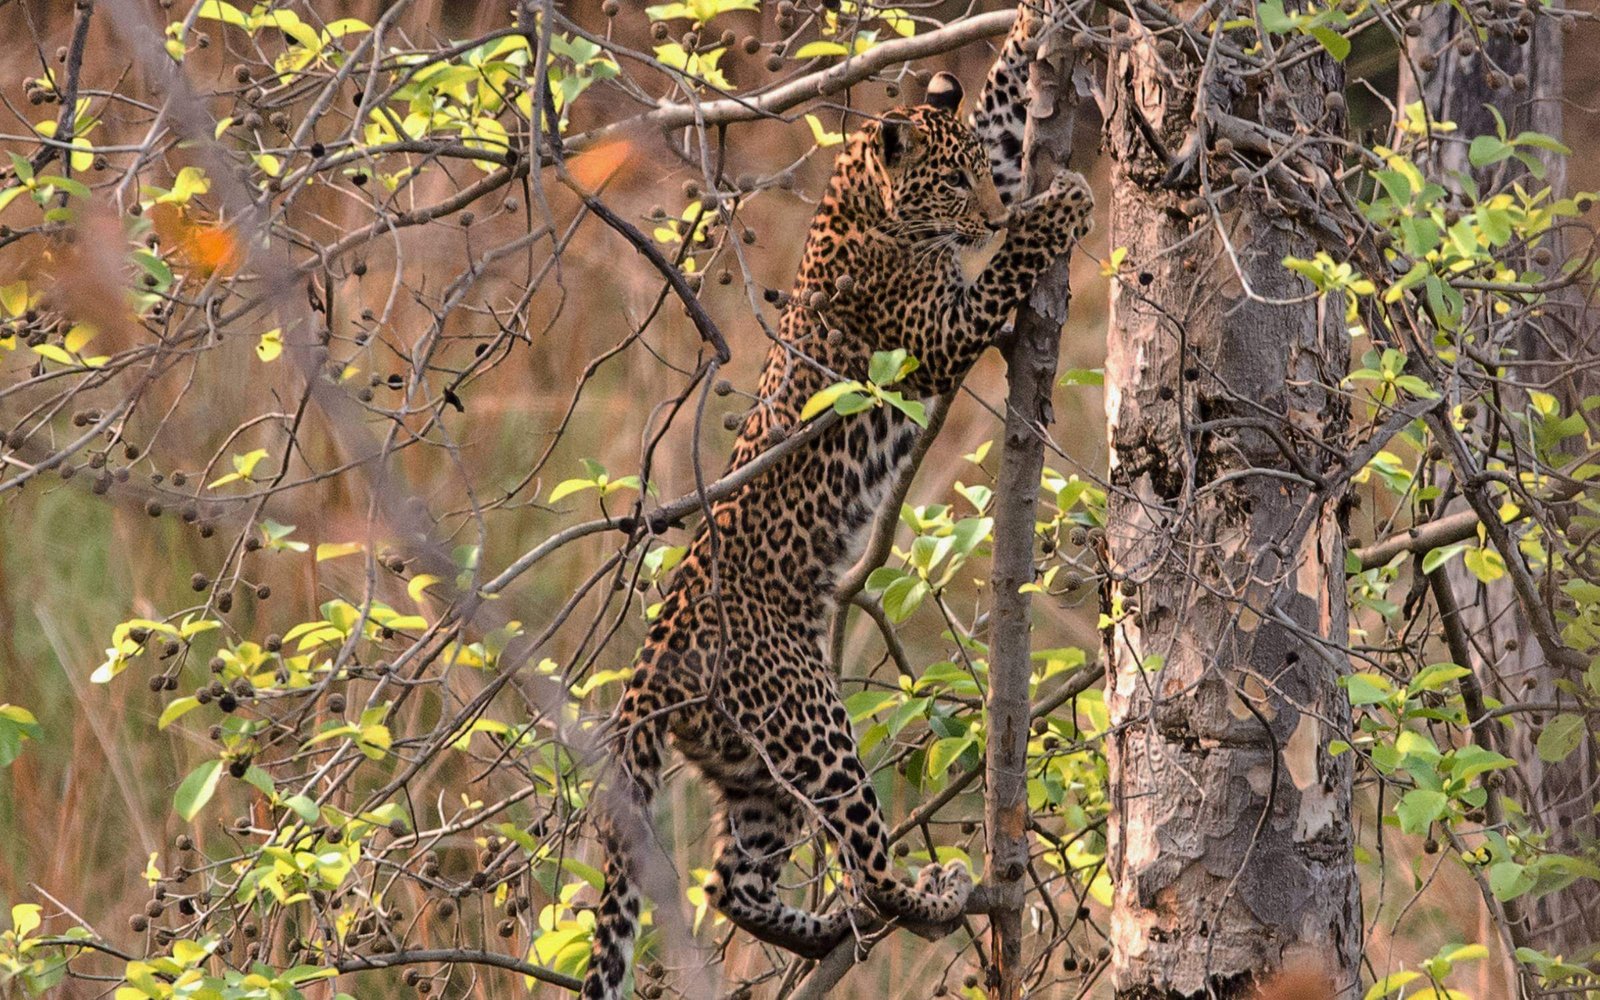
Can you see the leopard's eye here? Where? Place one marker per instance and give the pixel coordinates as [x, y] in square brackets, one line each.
[956, 179]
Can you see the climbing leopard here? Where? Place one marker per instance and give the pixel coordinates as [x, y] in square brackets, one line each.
[913, 246]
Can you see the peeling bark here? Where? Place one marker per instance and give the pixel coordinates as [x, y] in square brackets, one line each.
[1230, 831]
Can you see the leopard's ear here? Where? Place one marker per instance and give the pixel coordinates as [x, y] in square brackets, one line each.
[899, 139]
[944, 92]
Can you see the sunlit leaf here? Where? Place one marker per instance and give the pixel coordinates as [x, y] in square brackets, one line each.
[197, 789]
[335, 550]
[270, 345]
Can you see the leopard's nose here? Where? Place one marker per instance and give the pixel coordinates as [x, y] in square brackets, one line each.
[995, 214]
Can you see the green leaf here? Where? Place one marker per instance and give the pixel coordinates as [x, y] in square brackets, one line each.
[1486, 150]
[1485, 564]
[826, 398]
[889, 367]
[1368, 688]
[1541, 141]
[1388, 984]
[913, 409]
[903, 597]
[1273, 17]
[1337, 45]
[1472, 760]
[1418, 809]
[852, 403]
[913, 709]
[302, 806]
[16, 724]
[177, 710]
[1435, 677]
[568, 487]
[197, 789]
[1508, 880]
[154, 266]
[1560, 737]
[1438, 557]
[864, 704]
[21, 167]
[945, 752]
[260, 780]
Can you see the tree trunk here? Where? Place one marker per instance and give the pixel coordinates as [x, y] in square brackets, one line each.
[1526, 86]
[1231, 835]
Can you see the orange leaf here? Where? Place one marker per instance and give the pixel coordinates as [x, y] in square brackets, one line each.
[596, 166]
[207, 248]
[213, 249]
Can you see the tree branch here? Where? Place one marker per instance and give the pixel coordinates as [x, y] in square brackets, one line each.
[812, 85]
[1031, 360]
[457, 956]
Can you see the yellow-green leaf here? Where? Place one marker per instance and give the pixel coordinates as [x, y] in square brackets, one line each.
[827, 397]
[177, 710]
[189, 182]
[813, 50]
[822, 136]
[197, 789]
[78, 337]
[14, 298]
[419, 583]
[567, 487]
[220, 10]
[270, 345]
[246, 464]
[25, 918]
[54, 353]
[335, 550]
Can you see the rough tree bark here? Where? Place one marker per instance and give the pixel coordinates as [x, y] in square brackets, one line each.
[1031, 358]
[1524, 82]
[1231, 835]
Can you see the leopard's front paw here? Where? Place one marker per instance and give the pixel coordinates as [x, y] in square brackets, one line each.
[1064, 207]
[949, 881]
[1070, 191]
[946, 888]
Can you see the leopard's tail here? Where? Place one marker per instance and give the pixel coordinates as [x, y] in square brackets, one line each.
[622, 804]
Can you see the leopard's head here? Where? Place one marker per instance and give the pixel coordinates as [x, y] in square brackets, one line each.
[932, 174]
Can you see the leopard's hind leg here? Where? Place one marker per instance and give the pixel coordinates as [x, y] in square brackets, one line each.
[840, 790]
[757, 830]
[937, 899]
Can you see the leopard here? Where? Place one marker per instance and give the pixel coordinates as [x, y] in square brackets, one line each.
[914, 246]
